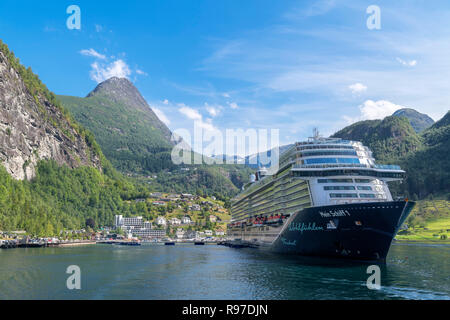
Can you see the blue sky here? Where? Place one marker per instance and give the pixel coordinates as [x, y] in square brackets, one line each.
[288, 65]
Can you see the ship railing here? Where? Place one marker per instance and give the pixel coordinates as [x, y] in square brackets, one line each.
[387, 166]
[321, 166]
[347, 165]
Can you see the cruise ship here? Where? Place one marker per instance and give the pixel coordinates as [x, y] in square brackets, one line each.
[329, 198]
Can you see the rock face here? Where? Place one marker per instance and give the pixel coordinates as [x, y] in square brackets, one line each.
[32, 128]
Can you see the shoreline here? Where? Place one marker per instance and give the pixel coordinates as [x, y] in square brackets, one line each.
[75, 244]
[421, 241]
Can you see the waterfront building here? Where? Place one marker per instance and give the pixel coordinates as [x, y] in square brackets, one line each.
[137, 227]
[180, 233]
[208, 233]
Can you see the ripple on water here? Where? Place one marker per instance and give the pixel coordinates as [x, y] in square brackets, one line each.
[212, 272]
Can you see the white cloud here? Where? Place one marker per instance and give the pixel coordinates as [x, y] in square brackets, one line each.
[357, 88]
[411, 63]
[160, 114]
[102, 72]
[189, 112]
[226, 95]
[98, 28]
[206, 125]
[213, 110]
[373, 110]
[92, 53]
[233, 105]
[142, 73]
[166, 102]
[193, 114]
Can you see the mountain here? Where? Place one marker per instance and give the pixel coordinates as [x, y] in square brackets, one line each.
[422, 155]
[34, 127]
[130, 134]
[137, 143]
[390, 139]
[53, 174]
[418, 121]
[429, 168]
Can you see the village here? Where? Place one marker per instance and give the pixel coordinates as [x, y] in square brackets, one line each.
[179, 217]
[171, 218]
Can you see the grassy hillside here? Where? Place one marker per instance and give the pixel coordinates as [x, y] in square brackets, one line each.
[428, 169]
[61, 198]
[128, 136]
[225, 180]
[429, 221]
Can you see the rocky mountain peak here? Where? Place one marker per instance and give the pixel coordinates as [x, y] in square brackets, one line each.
[120, 90]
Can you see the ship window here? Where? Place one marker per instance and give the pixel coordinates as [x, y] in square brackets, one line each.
[367, 195]
[331, 160]
[328, 153]
[366, 188]
[343, 195]
[363, 180]
[335, 181]
[327, 188]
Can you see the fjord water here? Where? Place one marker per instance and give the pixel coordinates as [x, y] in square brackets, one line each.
[412, 271]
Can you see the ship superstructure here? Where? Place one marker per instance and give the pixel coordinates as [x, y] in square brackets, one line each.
[319, 175]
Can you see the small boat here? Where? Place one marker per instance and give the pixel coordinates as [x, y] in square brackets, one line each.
[199, 243]
[130, 243]
[170, 243]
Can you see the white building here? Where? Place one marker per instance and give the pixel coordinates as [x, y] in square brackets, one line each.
[175, 221]
[200, 235]
[137, 227]
[148, 225]
[186, 220]
[161, 221]
[208, 233]
[195, 207]
[149, 233]
[180, 233]
[120, 221]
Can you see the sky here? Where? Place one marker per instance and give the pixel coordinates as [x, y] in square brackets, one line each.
[253, 64]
